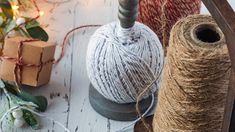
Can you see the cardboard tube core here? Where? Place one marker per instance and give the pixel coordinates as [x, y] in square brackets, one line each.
[207, 33]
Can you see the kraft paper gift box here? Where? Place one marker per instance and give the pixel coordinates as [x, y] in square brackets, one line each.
[38, 53]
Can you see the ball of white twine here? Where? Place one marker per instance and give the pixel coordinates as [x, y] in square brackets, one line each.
[122, 62]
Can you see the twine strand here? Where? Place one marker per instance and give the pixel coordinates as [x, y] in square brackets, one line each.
[63, 45]
[164, 25]
[140, 116]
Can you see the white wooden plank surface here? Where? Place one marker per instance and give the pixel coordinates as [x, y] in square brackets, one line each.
[68, 89]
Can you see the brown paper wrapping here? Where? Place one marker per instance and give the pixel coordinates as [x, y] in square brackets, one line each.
[32, 53]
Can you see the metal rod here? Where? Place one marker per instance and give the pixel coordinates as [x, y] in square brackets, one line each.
[128, 12]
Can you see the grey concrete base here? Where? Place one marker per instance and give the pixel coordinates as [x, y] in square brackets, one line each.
[115, 111]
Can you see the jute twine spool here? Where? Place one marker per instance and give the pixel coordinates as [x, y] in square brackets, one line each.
[195, 78]
[161, 15]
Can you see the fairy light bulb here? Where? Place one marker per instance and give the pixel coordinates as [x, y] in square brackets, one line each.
[15, 7]
[15, 10]
[41, 13]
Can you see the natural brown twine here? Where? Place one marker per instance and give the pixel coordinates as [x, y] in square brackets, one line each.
[137, 106]
[195, 79]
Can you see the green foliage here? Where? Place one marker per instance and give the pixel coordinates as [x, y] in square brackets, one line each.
[19, 98]
[30, 119]
[6, 8]
[10, 88]
[40, 101]
[31, 23]
[31, 28]
[10, 25]
[35, 31]
[22, 31]
[38, 33]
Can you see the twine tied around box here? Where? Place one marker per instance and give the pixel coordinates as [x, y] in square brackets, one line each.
[19, 64]
[19, 59]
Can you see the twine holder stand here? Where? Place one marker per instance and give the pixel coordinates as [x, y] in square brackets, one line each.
[113, 110]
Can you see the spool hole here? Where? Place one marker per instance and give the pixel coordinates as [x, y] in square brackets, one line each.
[207, 34]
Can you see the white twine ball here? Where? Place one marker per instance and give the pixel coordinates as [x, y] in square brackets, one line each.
[121, 63]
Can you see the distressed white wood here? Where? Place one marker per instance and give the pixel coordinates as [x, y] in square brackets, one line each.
[68, 88]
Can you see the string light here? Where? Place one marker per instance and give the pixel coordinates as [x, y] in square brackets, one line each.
[41, 13]
[15, 10]
[16, 13]
[15, 7]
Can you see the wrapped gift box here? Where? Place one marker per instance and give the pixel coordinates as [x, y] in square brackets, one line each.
[38, 53]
